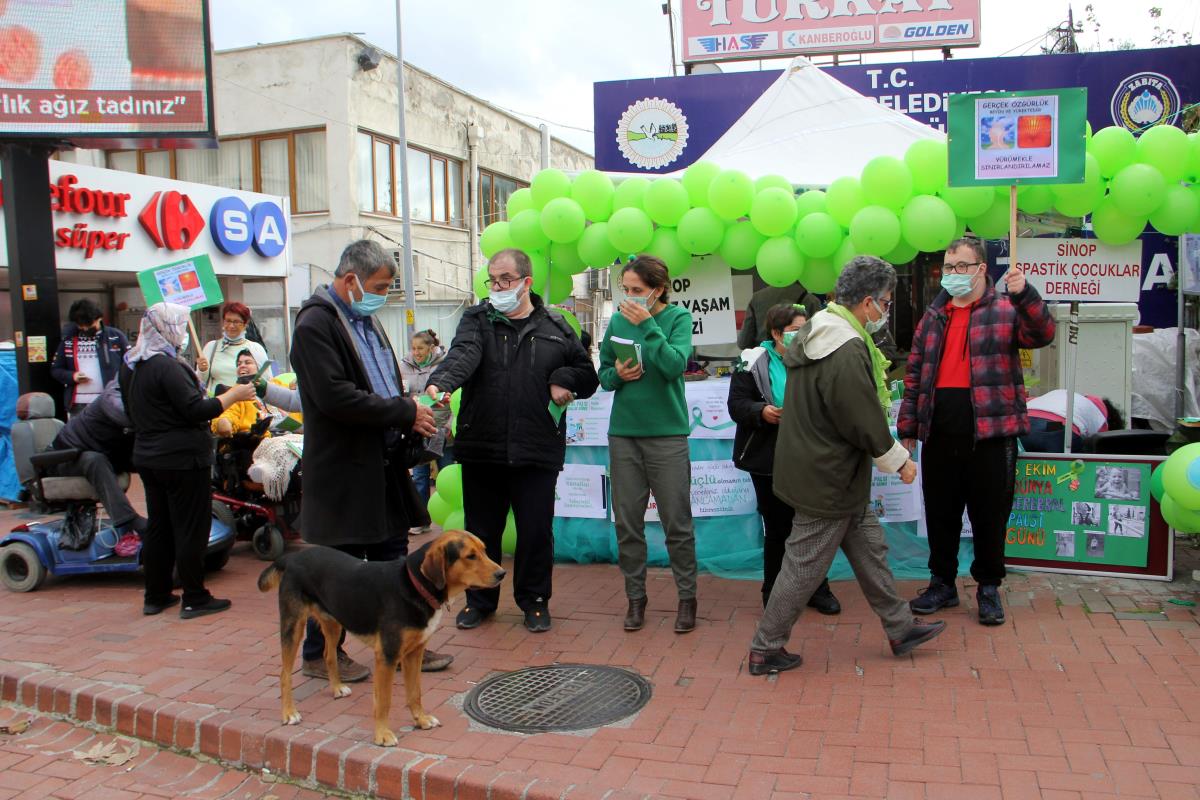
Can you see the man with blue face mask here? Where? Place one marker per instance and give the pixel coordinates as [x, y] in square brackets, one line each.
[358, 495]
[964, 398]
[515, 360]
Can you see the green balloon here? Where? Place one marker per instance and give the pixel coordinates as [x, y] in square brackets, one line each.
[495, 237]
[518, 201]
[1181, 476]
[630, 193]
[819, 235]
[927, 223]
[902, 254]
[480, 284]
[1078, 199]
[559, 286]
[773, 211]
[731, 194]
[739, 248]
[960, 229]
[844, 199]
[1166, 148]
[526, 230]
[594, 248]
[928, 164]
[508, 539]
[449, 485]
[1156, 481]
[571, 320]
[1179, 212]
[455, 401]
[875, 230]
[541, 271]
[780, 261]
[438, 508]
[700, 231]
[666, 201]
[1035, 199]
[629, 230]
[993, 223]
[593, 190]
[1114, 148]
[1181, 519]
[968, 201]
[456, 520]
[696, 179]
[547, 185]
[820, 275]
[1196, 191]
[811, 202]
[563, 220]
[1138, 190]
[565, 256]
[1113, 226]
[844, 254]
[776, 181]
[1193, 167]
[665, 244]
[886, 181]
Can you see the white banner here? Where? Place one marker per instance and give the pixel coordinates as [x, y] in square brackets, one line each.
[580, 492]
[719, 489]
[708, 409]
[707, 291]
[1084, 270]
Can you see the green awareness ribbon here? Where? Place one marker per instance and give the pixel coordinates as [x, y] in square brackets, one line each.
[698, 421]
[1075, 473]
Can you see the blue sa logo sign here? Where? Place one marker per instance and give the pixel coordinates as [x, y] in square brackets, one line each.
[236, 227]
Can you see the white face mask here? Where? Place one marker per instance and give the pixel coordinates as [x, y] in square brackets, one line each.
[647, 301]
[874, 326]
[508, 300]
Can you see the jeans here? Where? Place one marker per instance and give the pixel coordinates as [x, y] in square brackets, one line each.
[100, 474]
[420, 473]
[1046, 436]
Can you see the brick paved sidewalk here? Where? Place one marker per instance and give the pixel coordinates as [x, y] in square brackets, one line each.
[1089, 690]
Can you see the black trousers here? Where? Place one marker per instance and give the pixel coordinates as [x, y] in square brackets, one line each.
[958, 472]
[777, 526]
[488, 492]
[390, 550]
[179, 512]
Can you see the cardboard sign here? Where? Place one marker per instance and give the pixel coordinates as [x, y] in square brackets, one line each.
[1007, 138]
[1085, 270]
[707, 291]
[190, 282]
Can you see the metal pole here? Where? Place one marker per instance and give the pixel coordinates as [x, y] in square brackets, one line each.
[410, 291]
[666, 9]
[1180, 334]
[1072, 355]
[545, 131]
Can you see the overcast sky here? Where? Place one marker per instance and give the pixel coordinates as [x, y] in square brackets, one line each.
[540, 57]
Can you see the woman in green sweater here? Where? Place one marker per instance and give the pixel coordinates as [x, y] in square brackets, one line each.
[642, 359]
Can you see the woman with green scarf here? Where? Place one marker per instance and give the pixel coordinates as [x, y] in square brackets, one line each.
[832, 432]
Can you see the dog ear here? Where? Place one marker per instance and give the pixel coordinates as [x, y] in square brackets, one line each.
[433, 567]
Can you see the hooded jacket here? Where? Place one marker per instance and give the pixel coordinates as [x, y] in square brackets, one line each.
[111, 344]
[102, 427]
[356, 491]
[416, 376]
[834, 427]
[749, 390]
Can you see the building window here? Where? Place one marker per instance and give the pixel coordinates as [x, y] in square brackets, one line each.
[435, 181]
[494, 191]
[289, 164]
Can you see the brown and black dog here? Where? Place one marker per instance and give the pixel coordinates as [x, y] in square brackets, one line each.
[393, 606]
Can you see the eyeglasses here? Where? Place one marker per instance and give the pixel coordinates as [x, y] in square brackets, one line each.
[503, 282]
[233, 323]
[884, 305]
[961, 268]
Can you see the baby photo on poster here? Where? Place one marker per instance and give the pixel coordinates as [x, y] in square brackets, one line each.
[1118, 483]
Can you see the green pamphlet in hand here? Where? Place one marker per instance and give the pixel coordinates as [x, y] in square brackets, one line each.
[626, 350]
[556, 411]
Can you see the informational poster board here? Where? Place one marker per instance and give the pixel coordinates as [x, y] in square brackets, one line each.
[1088, 514]
[719, 489]
[707, 408]
[1082, 270]
[190, 282]
[1008, 138]
[1189, 263]
[581, 492]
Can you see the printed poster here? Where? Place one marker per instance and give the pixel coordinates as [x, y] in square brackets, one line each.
[190, 282]
[892, 500]
[719, 489]
[587, 420]
[708, 409]
[580, 492]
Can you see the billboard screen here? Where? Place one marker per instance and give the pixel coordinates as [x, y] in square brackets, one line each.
[719, 30]
[75, 69]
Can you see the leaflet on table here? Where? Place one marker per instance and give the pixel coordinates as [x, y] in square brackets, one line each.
[719, 489]
[708, 414]
[581, 492]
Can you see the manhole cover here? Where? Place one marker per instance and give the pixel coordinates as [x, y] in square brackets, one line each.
[561, 697]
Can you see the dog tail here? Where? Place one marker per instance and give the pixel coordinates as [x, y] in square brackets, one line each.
[270, 577]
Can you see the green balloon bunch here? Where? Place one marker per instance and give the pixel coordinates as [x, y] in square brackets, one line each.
[446, 507]
[1175, 484]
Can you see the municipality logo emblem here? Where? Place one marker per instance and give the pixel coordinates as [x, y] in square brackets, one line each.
[652, 133]
[1144, 100]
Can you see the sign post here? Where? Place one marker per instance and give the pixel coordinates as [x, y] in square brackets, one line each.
[1012, 138]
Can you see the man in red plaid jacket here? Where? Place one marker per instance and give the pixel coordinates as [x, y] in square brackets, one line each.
[964, 398]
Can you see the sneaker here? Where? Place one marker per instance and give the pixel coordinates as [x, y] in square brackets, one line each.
[349, 670]
[213, 606]
[435, 662]
[471, 617]
[537, 617]
[918, 634]
[991, 611]
[824, 602]
[765, 663]
[938, 594]
[150, 609]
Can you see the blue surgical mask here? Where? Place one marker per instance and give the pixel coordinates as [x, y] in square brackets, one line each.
[647, 302]
[368, 304]
[958, 285]
[874, 326]
[788, 336]
[506, 301]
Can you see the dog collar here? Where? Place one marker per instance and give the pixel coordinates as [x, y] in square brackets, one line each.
[425, 593]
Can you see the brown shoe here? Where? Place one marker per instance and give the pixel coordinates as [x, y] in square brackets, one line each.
[349, 670]
[435, 662]
[635, 618]
[685, 619]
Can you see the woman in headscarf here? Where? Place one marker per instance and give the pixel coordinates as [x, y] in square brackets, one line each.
[173, 453]
[217, 360]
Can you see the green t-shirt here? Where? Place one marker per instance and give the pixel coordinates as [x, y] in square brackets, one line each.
[653, 405]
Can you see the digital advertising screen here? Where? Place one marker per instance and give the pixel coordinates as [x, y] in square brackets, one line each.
[75, 69]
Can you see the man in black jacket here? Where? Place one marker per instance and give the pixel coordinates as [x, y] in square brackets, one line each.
[515, 360]
[88, 357]
[358, 496]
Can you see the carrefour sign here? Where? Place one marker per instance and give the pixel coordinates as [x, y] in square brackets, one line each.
[107, 220]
